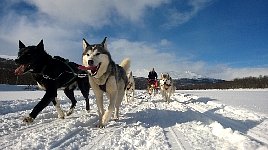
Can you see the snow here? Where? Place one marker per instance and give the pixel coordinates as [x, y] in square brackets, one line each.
[253, 99]
[207, 119]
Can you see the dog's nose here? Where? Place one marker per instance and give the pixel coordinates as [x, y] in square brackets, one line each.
[90, 62]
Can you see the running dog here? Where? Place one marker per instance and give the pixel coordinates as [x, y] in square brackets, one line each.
[130, 90]
[167, 87]
[51, 73]
[152, 87]
[105, 77]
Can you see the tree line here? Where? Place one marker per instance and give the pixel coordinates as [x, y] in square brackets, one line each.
[247, 82]
[8, 66]
[208, 83]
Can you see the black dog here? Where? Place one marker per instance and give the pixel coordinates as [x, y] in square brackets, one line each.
[51, 73]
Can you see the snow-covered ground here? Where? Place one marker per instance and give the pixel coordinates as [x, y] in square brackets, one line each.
[210, 119]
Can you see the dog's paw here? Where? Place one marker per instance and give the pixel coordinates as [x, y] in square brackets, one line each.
[27, 119]
[115, 119]
[61, 117]
[69, 112]
[100, 126]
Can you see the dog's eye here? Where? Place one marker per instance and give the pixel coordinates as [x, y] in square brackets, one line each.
[87, 54]
[97, 54]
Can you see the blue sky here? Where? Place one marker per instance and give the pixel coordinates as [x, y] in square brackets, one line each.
[223, 39]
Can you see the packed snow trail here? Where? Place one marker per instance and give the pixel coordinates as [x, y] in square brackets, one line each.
[187, 122]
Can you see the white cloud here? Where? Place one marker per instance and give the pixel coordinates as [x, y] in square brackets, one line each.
[134, 10]
[177, 17]
[145, 56]
[165, 42]
[62, 26]
[94, 13]
[56, 39]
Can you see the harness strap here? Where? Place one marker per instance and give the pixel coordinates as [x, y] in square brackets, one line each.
[110, 72]
[82, 75]
[103, 87]
[167, 86]
[129, 85]
[115, 71]
[71, 71]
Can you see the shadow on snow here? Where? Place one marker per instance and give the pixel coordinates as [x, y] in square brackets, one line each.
[168, 118]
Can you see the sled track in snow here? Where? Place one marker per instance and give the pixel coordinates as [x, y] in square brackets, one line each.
[174, 137]
[44, 128]
[17, 135]
[98, 140]
[105, 133]
[67, 139]
[24, 132]
[253, 135]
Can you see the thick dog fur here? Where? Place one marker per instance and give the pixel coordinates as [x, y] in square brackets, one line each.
[167, 87]
[51, 73]
[105, 77]
[130, 90]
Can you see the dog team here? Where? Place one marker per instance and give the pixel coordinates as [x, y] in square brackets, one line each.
[98, 70]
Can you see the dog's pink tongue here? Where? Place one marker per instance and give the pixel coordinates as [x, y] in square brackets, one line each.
[92, 68]
[20, 70]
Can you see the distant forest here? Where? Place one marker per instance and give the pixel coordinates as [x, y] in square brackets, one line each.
[8, 66]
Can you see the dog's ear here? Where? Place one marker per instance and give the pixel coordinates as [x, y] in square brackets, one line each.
[104, 43]
[130, 73]
[40, 46]
[21, 45]
[85, 44]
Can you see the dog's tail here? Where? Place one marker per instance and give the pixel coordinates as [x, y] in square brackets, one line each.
[125, 64]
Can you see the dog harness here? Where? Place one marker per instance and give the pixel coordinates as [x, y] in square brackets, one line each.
[129, 85]
[65, 61]
[115, 71]
[167, 86]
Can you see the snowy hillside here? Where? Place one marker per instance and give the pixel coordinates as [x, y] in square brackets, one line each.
[185, 74]
[188, 122]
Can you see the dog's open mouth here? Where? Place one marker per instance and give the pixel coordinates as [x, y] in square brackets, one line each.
[20, 70]
[93, 69]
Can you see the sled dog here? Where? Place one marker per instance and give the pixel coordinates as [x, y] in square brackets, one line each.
[152, 87]
[105, 77]
[51, 73]
[130, 90]
[166, 86]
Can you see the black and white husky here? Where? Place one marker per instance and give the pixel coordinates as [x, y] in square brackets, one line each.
[130, 90]
[105, 77]
[166, 86]
[51, 73]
